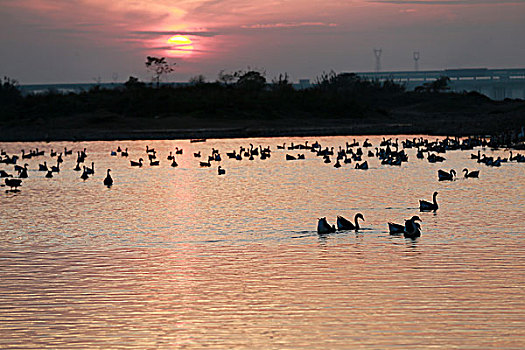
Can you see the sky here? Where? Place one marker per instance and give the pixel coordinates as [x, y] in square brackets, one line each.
[85, 41]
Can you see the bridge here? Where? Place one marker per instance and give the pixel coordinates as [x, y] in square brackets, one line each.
[497, 84]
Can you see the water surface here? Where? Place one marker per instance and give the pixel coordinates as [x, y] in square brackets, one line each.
[184, 258]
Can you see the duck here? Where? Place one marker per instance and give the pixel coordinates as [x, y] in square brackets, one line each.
[444, 176]
[468, 174]
[324, 227]
[108, 181]
[412, 228]
[139, 163]
[221, 171]
[427, 206]
[344, 224]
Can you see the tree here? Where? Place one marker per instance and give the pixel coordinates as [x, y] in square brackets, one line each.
[159, 67]
[251, 80]
[438, 85]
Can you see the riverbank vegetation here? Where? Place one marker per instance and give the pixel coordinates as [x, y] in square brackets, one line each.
[334, 104]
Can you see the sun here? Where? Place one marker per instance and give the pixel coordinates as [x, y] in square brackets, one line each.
[180, 45]
[179, 40]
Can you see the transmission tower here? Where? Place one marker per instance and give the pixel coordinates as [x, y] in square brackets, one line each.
[377, 53]
[416, 60]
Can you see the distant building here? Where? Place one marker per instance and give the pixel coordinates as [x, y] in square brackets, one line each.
[497, 84]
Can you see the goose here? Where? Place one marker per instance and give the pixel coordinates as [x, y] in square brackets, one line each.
[23, 173]
[362, 166]
[323, 227]
[221, 171]
[108, 181]
[444, 176]
[91, 171]
[56, 169]
[395, 229]
[427, 206]
[84, 175]
[4, 174]
[42, 167]
[412, 228]
[13, 183]
[474, 173]
[139, 163]
[344, 224]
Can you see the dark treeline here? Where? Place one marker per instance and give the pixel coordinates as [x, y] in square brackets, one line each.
[332, 95]
[246, 98]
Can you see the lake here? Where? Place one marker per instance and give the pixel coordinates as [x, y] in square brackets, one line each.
[183, 258]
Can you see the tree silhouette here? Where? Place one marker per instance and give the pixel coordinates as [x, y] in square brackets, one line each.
[159, 67]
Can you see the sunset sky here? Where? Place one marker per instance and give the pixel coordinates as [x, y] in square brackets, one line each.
[53, 41]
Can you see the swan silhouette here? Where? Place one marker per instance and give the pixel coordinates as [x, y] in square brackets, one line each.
[427, 206]
[474, 173]
[323, 227]
[221, 171]
[108, 181]
[344, 224]
[411, 229]
[139, 163]
[444, 176]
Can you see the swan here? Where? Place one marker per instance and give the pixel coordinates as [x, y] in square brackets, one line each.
[205, 164]
[4, 174]
[412, 228]
[444, 176]
[91, 171]
[124, 153]
[50, 174]
[170, 157]
[198, 155]
[108, 181]
[154, 162]
[77, 168]
[337, 164]
[290, 157]
[324, 227]
[84, 175]
[174, 163]
[363, 166]
[13, 183]
[395, 229]
[221, 171]
[474, 173]
[42, 167]
[139, 163]
[344, 224]
[427, 206]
